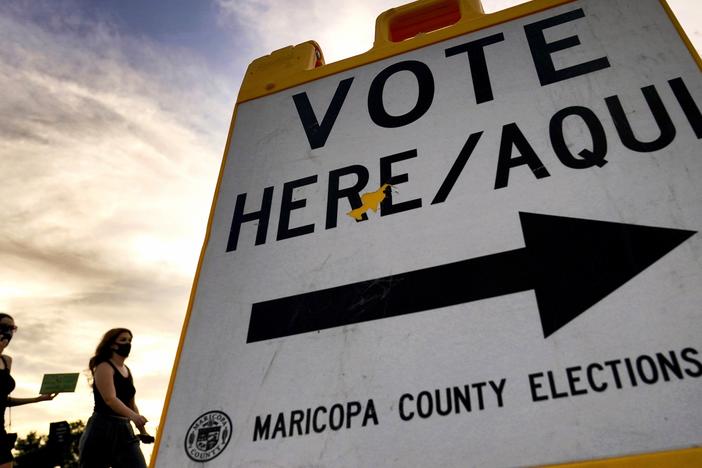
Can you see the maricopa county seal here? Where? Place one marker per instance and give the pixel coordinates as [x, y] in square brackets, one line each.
[208, 436]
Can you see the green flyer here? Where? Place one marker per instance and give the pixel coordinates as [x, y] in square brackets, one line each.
[56, 383]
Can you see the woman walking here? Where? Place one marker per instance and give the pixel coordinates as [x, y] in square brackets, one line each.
[7, 385]
[108, 439]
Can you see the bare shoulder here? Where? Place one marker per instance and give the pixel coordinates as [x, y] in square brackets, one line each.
[104, 369]
[8, 360]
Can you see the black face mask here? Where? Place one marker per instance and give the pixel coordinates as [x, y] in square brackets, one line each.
[123, 349]
[6, 332]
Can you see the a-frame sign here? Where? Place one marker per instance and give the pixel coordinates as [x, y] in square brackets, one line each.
[474, 245]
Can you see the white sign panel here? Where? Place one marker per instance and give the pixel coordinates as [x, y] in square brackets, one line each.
[483, 252]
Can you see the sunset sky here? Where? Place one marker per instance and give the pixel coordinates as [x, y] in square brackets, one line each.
[113, 120]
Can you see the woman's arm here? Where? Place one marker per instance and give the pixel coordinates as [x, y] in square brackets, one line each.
[105, 384]
[11, 401]
[133, 406]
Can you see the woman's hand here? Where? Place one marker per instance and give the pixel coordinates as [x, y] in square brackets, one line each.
[46, 397]
[138, 420]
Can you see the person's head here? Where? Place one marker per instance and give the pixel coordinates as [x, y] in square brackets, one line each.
[117, 340]
[7, 329]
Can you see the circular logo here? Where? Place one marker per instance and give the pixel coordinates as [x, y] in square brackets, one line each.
[208, 436]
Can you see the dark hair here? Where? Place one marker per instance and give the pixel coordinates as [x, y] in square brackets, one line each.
[103, 352]
[4, 315]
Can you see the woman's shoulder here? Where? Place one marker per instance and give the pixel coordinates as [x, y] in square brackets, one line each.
[103, 367]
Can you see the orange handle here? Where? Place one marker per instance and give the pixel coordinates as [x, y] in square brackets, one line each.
[423, 16]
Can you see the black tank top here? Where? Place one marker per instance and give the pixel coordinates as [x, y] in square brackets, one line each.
[7, 384]
[124, 388]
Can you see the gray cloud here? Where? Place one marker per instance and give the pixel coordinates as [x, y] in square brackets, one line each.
[342, 29]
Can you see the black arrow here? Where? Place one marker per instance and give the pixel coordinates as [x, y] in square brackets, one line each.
[570, 263]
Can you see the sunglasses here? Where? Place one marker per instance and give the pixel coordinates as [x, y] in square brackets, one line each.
[8, 328]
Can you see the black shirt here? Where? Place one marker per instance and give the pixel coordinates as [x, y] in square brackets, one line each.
[7, 384]
[124, 388]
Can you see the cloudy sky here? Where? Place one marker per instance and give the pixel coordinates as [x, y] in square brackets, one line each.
[113, 120]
